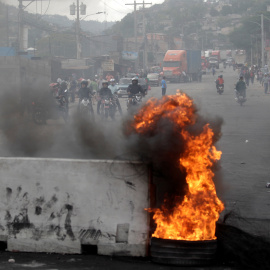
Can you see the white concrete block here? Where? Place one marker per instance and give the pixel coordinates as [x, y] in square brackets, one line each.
[122, 249]
[44, 245]
[66, 202]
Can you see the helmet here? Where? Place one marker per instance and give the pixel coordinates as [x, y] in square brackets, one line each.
[105, 82]
[84, 82]
[135, 79]
[59, 80]
[63, 85]
[112, 80]
[220, 76]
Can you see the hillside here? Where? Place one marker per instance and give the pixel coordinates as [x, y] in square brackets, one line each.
[208, 24]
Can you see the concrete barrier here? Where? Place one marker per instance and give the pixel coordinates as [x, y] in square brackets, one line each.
[57, 205]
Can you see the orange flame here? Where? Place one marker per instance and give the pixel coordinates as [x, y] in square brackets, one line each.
[193, 219]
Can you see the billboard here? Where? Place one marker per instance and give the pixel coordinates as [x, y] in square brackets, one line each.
[129, 55]
[108, 65]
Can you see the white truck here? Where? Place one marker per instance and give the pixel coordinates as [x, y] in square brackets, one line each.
[240, 59]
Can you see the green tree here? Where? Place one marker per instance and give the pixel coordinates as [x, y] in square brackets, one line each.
[226, 10]
[213, 12]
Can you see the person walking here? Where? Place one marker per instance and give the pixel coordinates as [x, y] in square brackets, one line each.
[265, 82]
[247, 77]
[252, 75]
[163, 86]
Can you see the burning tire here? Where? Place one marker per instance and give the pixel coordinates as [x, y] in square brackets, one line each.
[183, 253]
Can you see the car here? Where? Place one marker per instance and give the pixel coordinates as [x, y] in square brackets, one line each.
[123, 86]
[153, 79]
[131, 75]
[125, 82]
[229, 61]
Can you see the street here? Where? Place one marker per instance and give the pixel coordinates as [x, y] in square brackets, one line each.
[241, 178]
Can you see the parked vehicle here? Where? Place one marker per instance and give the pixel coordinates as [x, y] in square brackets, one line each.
[155, 69]
[153, 79]
[182, 65]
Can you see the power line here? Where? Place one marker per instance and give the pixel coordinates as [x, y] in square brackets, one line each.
[46, 9]
[115, 9]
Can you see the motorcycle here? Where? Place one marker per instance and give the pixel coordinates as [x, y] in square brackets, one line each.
[41, 113]
[63, 99]
[86, 108]
[117, 103]
[133, 102]
[220, 89]
[107, 108]
[240, 98]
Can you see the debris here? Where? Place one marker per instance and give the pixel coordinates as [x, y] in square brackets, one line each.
[11, 261]
[246, 141]
[268, 185]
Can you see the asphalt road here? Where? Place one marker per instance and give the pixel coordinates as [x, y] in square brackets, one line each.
[245, 144]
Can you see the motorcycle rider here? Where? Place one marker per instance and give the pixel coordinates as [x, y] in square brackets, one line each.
[105, 91]
[72, 88]
[63, 93]
[241, 87]
[220, 82]
[113, 87]
[85, 91]
[134, 88]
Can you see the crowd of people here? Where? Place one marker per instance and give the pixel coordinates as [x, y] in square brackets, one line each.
[94, 90]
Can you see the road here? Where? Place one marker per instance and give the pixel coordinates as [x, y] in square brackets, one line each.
[241, 179]
[245, 144]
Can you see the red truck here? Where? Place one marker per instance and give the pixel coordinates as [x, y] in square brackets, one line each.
[182, 65]
[216, 54]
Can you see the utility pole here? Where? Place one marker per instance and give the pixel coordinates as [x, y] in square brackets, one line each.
[21, 26]
[145, 54]
[78, 40]
[135, 28]
[262, 35]
[7, 25]
[21, 35]
[135, 32]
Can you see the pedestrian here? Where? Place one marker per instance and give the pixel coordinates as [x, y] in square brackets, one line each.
[163, 86]
[265, 83]
[252, 75]
[247, 77]
[259, 76]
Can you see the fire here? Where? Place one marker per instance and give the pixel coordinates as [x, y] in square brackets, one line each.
[194, 218]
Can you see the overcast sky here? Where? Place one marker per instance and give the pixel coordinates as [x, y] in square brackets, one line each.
[116, 9]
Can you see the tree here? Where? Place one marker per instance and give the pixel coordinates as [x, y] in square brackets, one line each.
[226, 10]
[213, 12]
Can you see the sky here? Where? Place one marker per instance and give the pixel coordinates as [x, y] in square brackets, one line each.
[115, 9]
